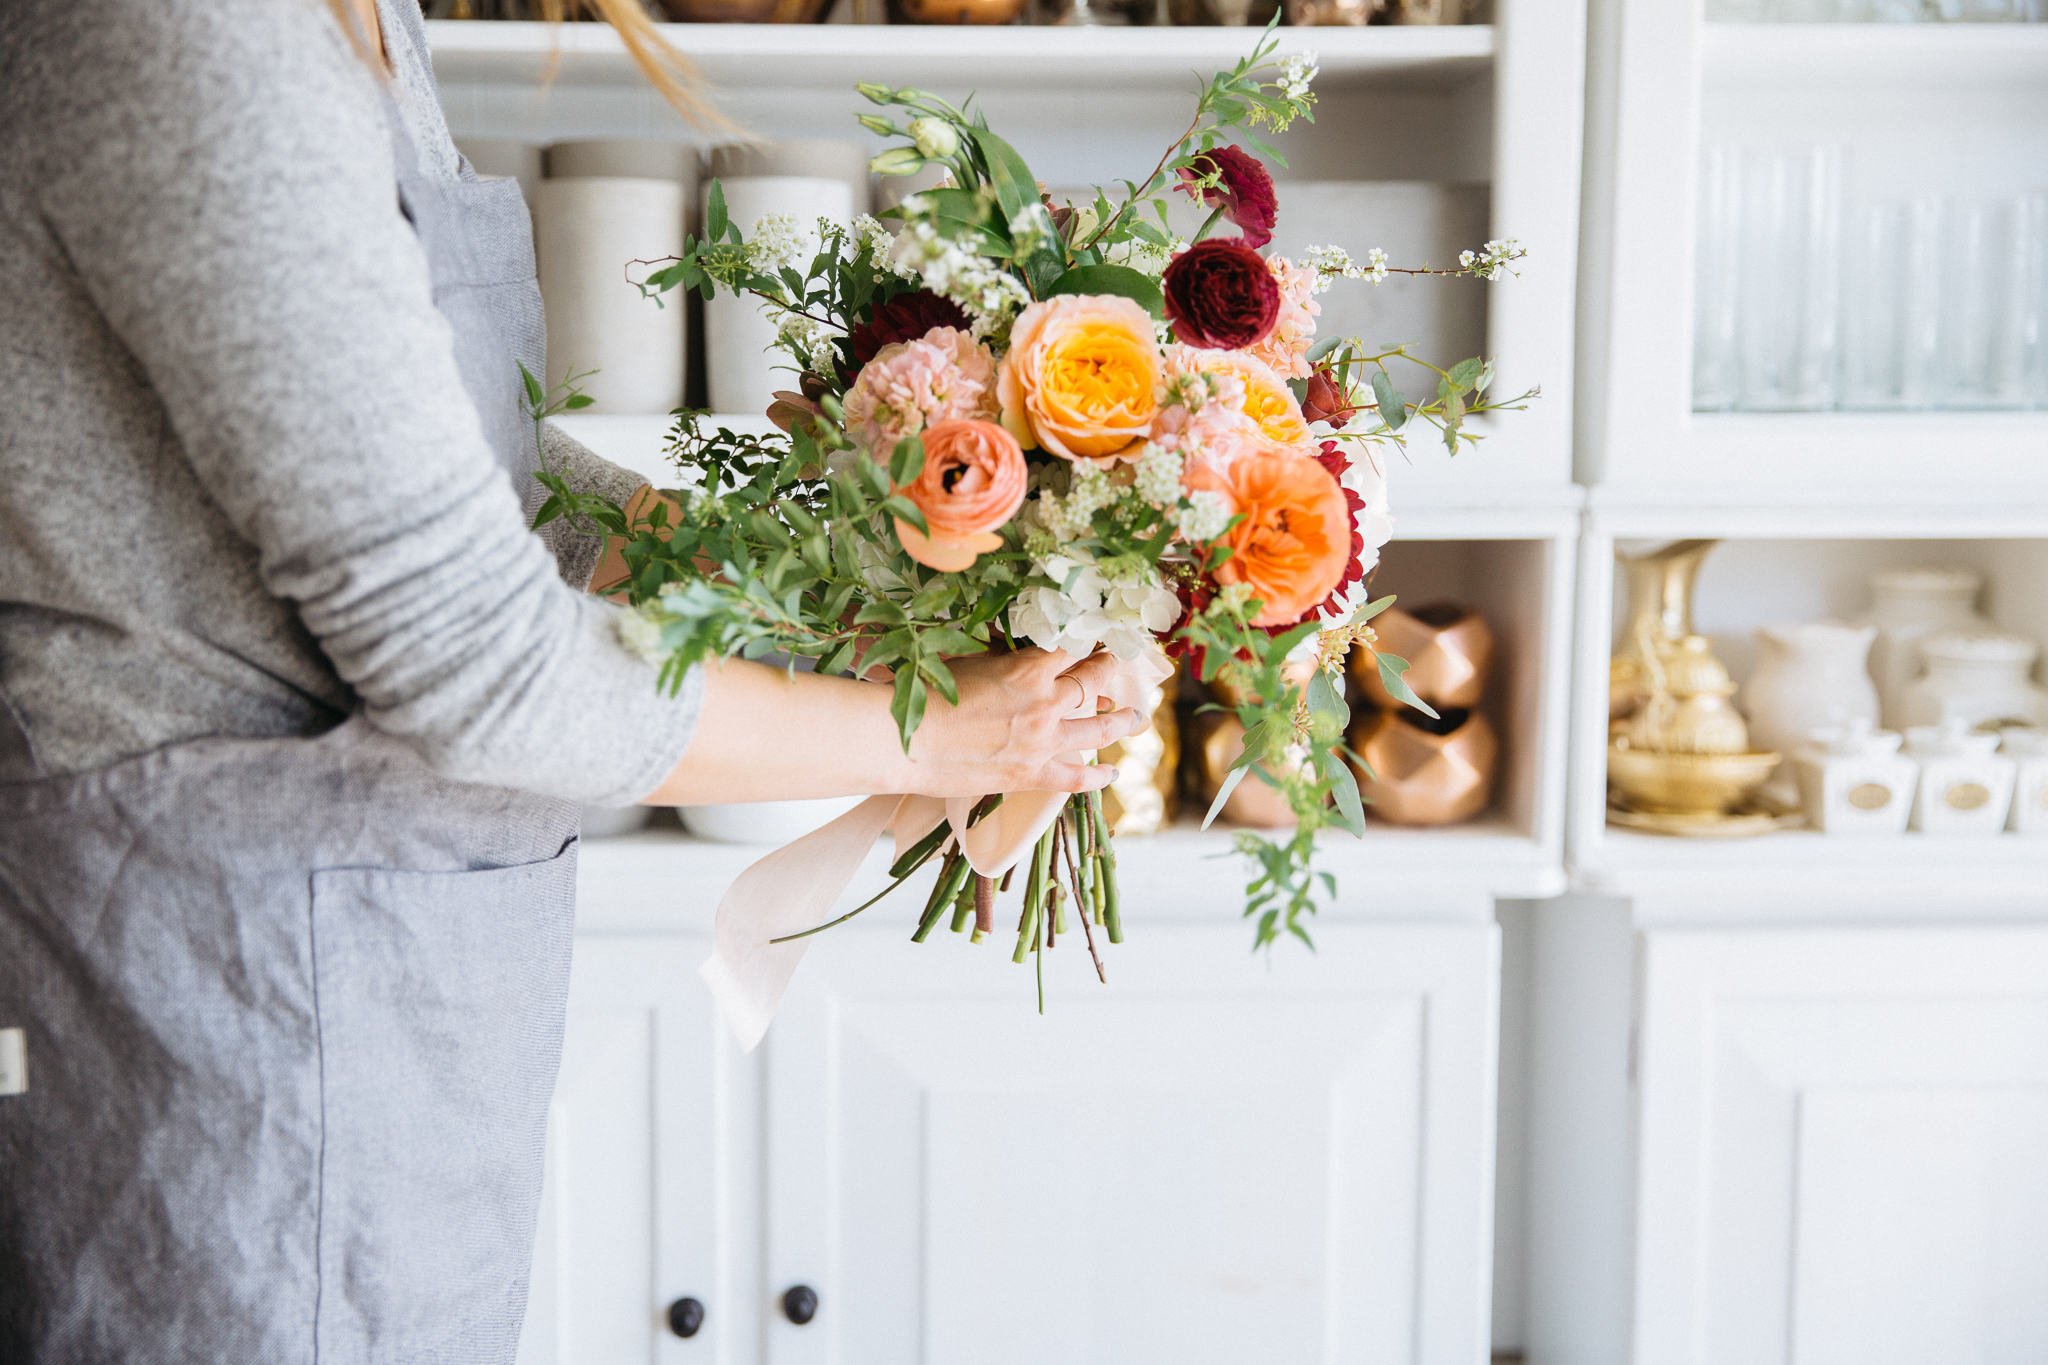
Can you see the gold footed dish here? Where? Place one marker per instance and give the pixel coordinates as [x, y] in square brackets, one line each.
[1694, 785]
[1756, 815]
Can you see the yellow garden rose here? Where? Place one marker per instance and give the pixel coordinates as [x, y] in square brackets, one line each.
[1267, 399]
[1082, 377]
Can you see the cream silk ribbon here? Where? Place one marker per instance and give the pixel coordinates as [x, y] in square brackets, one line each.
[795, 887]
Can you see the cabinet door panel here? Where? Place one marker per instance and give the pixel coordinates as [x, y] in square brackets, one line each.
[1841, 1148]
[628, 1212]
[1213, 1159]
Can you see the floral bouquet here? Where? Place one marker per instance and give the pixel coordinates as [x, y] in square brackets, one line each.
[1024, 422]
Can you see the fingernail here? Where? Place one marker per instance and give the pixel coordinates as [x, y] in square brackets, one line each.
[1114, 775]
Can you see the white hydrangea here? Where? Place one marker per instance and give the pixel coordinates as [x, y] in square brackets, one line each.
[1205, 516]
[639, 631]
[1123, 614]
[1159, 476]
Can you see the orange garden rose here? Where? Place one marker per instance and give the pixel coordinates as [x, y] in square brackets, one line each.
[1294, 543]
[1082, 377]
[1267, 399]
[972, 482]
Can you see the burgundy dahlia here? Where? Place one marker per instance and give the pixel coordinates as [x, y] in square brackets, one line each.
[1220, 295]
[1244, 190]
[903, 318]
[1333, 457]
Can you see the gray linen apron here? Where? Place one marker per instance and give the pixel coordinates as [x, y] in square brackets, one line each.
[293, 1006]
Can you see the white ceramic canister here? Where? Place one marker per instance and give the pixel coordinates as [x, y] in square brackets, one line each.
[623, 158]
[1808, 677]
[745, 365]
[2028, 749]
[1965, 784]
[1978, 679]
[1907, 604]
[585, 231]
[1854, 780]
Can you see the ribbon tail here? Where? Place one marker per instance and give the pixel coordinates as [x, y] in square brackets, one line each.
[786, 892]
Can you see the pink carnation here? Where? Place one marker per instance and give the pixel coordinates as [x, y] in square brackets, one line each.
[944, 376]
[1286, 347]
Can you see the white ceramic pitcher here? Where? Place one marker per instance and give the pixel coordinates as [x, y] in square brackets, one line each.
[1809, 677]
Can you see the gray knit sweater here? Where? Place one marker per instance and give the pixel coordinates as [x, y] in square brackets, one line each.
[242, 488]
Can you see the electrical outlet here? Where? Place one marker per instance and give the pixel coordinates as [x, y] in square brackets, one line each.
[13, 1061]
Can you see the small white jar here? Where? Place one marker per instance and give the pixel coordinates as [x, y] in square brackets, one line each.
[1965, 785]
[2029, 750]
[1853, 780]
[1978, 679]
[1908, 605]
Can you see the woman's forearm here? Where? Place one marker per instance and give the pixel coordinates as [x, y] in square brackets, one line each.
[766, 735]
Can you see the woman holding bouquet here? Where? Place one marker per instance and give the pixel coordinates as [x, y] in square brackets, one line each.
[295, 712]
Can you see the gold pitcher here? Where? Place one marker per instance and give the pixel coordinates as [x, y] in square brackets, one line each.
[1660, 586]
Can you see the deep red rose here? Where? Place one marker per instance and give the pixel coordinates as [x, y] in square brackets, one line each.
[1244, 192]
[1221, 295]
[907, 317]
[1326, 401]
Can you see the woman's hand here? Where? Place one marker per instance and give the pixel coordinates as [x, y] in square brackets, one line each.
[764, 735]
[1012, 724]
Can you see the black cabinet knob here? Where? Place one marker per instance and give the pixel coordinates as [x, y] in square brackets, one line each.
[685, 1317]
[800, 1304]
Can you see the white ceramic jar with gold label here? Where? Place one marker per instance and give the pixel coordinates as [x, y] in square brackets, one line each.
[1853, 780]
[1965, 784]
[2029, 750]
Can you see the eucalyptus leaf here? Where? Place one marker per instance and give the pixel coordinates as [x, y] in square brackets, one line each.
[1223, 794]
[1392, 666]
[1393, 407]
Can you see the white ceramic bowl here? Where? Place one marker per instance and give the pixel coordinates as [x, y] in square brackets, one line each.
[763, 822]
[605, 822]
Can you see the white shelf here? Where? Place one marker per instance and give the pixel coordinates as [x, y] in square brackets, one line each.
[1803, 874]
[1922, 108]
[1773, 57]
[1042, 59]
[1793, 563]
[666, 880]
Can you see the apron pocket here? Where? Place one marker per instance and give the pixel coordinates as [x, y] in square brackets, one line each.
[440, 1002]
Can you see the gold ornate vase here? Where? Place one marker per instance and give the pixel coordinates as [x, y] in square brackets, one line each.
[1146, 794]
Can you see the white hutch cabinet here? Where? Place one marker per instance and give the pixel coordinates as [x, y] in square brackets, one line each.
[1216, 1157]
[1788, 1095]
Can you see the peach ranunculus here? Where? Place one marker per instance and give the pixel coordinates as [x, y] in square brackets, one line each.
[1267, 400]
[1294, 543]
[1285, 348]
[909, 385]
[1082, 377]
[972, 482]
